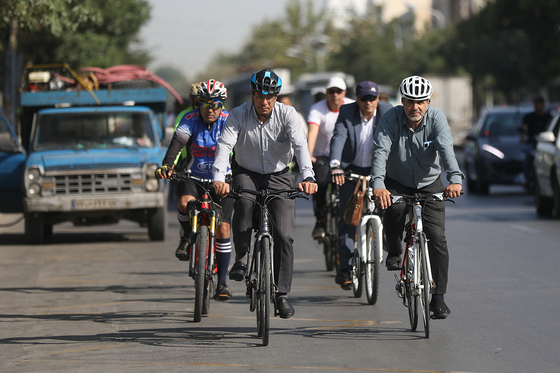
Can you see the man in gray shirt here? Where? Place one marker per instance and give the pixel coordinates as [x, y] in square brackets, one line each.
[408, 145]
[264, 136]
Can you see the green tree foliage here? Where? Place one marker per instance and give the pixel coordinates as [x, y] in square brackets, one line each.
[510, 47]
[79, 32]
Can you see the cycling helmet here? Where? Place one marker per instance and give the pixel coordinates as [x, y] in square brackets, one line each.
[266, 82]
[416, 88]
[194, 90]
[212, 90]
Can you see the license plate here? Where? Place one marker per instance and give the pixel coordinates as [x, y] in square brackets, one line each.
[93, 204]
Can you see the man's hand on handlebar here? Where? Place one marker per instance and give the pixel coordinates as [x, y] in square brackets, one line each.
[308, 187]
[221, 188]
[164, 172]
[382, 198]
[337, 175]
[453, 190]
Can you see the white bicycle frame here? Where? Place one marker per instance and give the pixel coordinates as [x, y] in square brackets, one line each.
[360, 243]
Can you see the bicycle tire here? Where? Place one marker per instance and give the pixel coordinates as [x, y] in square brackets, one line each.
[328, 243]
[200, 276]
[357, 275]
[372, 265]
[265, 288]
[424, 286]
[208, 294]
[411, 297]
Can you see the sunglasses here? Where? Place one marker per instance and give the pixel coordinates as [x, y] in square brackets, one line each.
[332, 91]
[213, 105]
[368, 98]
[263, 97]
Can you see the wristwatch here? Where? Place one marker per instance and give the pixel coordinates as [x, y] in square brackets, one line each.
[310, 179]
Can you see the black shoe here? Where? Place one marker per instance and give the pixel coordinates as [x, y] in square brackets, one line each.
[318, 231]
[182, 252]
[439, 308]
[223, 292]
[237, 272]
[393, 263]
[344, 279]
[285, 308]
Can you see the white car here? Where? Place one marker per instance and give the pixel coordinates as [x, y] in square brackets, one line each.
[547, 170]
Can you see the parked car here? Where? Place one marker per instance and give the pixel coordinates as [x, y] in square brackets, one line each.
[12, 165]
[547, 170]
[493, 154]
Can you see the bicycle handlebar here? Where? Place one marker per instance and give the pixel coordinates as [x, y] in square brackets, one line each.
[420, 197]
[292, 193]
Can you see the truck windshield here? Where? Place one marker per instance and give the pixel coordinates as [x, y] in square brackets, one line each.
[93, 130]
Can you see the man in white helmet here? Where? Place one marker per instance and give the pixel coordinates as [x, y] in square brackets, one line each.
[411, 142]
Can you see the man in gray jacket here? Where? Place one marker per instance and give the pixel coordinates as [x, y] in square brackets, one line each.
[351, 149]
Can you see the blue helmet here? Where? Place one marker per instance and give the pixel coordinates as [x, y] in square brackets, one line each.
[266, 82]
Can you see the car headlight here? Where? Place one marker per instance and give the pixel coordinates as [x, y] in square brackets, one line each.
[151, 171]
[34, 189]
[494, 151]
[152, 185]
[33, 174]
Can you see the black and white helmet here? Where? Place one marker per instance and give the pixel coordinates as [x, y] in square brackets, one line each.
[266, 82]
[212, 90]
[416, 88]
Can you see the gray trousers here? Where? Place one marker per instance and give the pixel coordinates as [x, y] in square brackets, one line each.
[282, 216]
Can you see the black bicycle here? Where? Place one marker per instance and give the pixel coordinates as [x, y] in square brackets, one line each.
[259, 278]
[330, 242]
[205, 217]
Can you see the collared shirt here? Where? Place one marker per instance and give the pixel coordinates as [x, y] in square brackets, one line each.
[412, 158]
[260, 147]
[365, 146]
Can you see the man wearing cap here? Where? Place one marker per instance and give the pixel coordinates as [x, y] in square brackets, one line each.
[321, 120]
[351, 149]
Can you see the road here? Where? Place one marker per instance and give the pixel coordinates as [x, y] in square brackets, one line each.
[106, 299]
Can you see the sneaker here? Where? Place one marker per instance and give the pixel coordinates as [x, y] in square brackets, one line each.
[318, 231]
[237, 272]
[182, 252]
[393, 263]
[439, 308]
[223, 292]
[344, 279]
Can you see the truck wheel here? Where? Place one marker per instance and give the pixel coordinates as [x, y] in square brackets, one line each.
[34, 228]
[156, 224]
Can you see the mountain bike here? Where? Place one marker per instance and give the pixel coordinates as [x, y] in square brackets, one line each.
[415, 281]
[205, 216]
[368, 247]
[259, 277]
[330, 242]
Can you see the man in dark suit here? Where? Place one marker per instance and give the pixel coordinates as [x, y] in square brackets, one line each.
[351, 149]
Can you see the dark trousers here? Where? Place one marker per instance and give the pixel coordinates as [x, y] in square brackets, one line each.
[323, 176]
[433, 217]
[347, 233]
[282, 216]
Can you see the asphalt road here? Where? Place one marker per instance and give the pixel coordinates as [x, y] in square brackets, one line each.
[106, 299]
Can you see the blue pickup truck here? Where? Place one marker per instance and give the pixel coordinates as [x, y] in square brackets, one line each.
[90, 159]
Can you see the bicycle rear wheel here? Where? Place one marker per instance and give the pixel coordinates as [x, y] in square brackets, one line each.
[372, 265]
[264, 292]
[357, 275]
[200, 276]
[424, 286]
[410, 294]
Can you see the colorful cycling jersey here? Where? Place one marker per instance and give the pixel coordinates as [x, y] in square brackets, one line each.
[202, 146]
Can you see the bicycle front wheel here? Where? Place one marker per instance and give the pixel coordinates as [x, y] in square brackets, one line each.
[357, 275]
[329, 243]
[410, 293]
[372, 265]
[265, 288]
[200, 275]
[424, 286]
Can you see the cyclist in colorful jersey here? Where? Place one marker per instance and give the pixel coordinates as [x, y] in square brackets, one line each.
[321, 119]
[199, 131]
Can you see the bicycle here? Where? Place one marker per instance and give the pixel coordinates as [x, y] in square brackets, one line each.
[330, 242]
[259, 278]
[368, 247]
[415, 280]
[205, 216]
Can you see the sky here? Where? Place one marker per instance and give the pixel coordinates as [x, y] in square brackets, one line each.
[186, 34]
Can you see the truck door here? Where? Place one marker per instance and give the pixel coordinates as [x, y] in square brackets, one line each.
[12, 166]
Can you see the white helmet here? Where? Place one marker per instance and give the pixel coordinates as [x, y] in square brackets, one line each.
[416, 88]
[212, 90]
